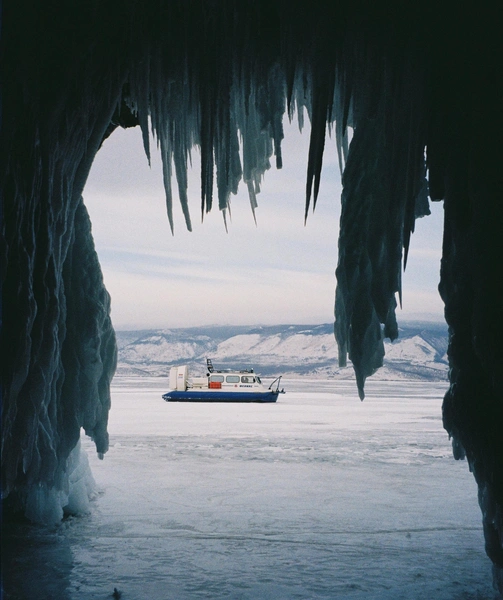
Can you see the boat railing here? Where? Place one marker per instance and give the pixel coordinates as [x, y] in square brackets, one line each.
[277, 381]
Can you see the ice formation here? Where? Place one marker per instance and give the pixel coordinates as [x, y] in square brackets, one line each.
[219, 75]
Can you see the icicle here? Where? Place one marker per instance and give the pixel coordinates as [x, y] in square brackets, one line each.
[141, 94]
[180, 160]
[315, 160]
[166, 172]
[253, 199]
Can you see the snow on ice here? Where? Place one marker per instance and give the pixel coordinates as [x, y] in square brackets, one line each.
[317, 496]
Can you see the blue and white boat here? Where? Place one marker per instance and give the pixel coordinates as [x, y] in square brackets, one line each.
[220, 386]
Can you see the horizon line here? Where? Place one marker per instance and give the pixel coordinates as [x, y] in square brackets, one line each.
[433, 320]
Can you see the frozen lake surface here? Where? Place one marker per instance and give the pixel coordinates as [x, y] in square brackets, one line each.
[316, 496]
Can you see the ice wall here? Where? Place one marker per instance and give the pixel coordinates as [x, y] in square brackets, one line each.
[219, 75]
[67, 352]
[58, 345]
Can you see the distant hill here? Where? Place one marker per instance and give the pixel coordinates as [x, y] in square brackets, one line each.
[288, 350]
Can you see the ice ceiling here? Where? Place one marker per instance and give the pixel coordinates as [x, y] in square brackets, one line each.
[421, 89]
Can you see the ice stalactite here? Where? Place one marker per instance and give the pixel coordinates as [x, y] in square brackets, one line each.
[384, 191]
[217, 75]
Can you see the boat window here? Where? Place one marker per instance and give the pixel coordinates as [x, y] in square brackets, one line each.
[232, 379]
[258, 379]
[247, 379]
[217, 378]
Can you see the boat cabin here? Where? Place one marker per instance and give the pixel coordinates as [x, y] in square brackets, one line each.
[230, 380]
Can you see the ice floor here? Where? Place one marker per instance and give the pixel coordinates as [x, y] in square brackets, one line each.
[316, 496]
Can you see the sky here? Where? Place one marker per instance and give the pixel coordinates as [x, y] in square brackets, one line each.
[278, 271]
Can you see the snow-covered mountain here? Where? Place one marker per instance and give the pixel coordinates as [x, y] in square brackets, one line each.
[289, 350]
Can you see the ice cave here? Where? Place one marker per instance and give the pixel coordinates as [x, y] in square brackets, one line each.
[420, 87]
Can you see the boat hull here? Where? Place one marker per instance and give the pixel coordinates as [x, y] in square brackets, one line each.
[219, 396]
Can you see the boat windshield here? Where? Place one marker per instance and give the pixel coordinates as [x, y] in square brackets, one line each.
[258, 379]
